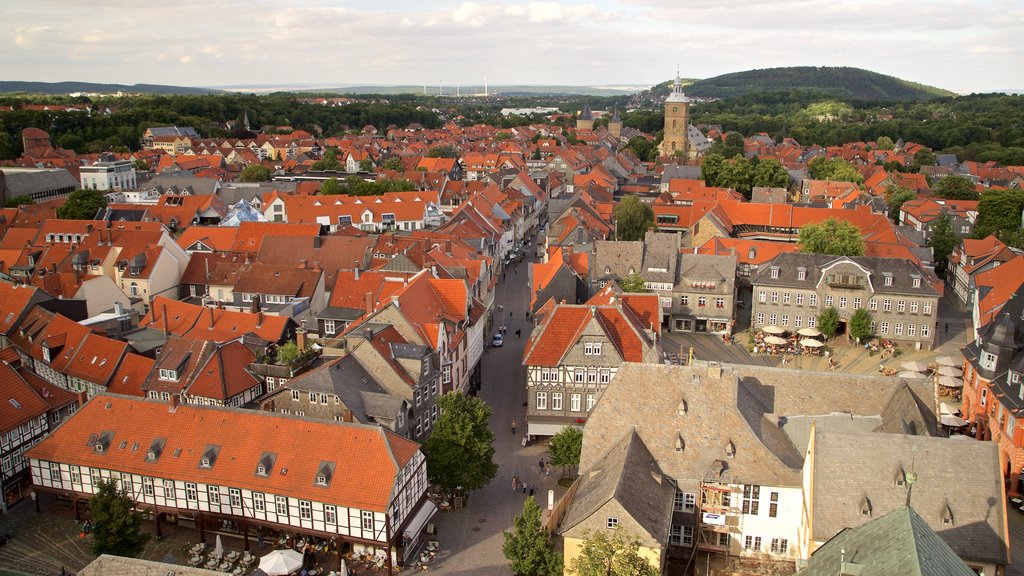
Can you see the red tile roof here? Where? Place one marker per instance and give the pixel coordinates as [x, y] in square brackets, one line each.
[369, 458]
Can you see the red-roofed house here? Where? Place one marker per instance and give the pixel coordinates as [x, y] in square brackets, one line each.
[576, 350]
[974, 257]
[993, 289]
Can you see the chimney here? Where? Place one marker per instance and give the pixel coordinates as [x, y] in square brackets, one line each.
[211, 316]
[318, 241]
[300, 336]
[259, 319]
[206, 266]
[357, 270]
[82, 399]
[346, 415]
[302, 264]
[174, 404]
[167, 330]
[118, 308]
[368, 302]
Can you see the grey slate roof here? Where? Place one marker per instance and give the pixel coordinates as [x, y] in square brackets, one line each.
[901, 270]
[107, 565]
[898, 544]
[708, 268]
[615, 259]
[679, 171]
[19, 181]
[746, 405]
[347, 379]
[963, 475]
[629, 474]
[179, 181]
[661, 252]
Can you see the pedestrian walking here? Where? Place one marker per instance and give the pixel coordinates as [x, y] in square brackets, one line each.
[947, 327]
[547, 469]
[518, 332]
[515, 483]
[513, 427]
[526, 486]
[509, 315]
[540, 464]
[531, 491]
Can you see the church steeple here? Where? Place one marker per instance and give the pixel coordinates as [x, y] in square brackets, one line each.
[676, 141]
[586, 118]
[615, 124]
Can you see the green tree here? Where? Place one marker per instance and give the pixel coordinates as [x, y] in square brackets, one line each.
[828, 322]
[925, 157]
[19, 200]
[885, 143]
[895, 197]
[632, 218]
[633, 283]
[446, 151]
[254, 173]
[393, 163]
[711, 169]
[331, 186]
[832, 236]
[140, 165]
[770, 173]
[82, 205]
[730, 146]
[835, 169]
[288, 352]
[737, 174]
[565, 448]
[115, 522]
[329, 161]
[860, 325]
[956, 188]
[943, 241]
[644, 149]
[366, 165]
[998, 212]
[460, 450]
[614, 555]
[526, 547]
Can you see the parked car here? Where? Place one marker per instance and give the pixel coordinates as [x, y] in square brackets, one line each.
[497, 341]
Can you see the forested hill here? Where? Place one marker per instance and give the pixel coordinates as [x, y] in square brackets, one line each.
[841, 81]
[11, 86]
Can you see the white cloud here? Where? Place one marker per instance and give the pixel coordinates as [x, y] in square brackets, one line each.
[469, 13]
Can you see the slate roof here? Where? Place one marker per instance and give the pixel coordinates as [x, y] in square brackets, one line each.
[749, 406]
[628, 474]
[357, 388]
[615, 259]
[900, 543]
[959, 481]
[902, 272]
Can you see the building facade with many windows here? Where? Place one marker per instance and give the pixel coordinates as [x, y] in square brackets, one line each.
[793, 289]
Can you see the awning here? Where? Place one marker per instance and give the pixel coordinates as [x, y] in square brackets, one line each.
[954, 421]
[420, 520]
[545, 429]
[947, 409]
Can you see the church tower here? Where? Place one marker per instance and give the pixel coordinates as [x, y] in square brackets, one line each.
[677, 121]
[615, 124]
[586, 118]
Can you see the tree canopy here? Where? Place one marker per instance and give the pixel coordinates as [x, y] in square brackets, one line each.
[445, 151]
[835, 169]
[460, 450]
[633, 283]
[860, 324]
[632, 218]
[527, 548]
[115, 522]
[20, 200]
[895, 197]
[358, 186]
[616, 554]
[565, 447]
[742, 174]
[770, 173]
[832, 236]
[999, 212]
[828, 322]
[254, 173]
[943, 241]
[393, 163]
[331, 186]
[329, 161]
[82, 205]
[955, 188]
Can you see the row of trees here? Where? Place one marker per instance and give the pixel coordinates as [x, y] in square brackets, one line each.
[743, 174]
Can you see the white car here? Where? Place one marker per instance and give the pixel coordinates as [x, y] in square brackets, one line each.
[497, 341]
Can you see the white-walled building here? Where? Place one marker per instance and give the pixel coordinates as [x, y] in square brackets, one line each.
[109, 175]
[361, 484]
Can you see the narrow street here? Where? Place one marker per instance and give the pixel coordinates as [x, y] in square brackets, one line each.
[471, 538]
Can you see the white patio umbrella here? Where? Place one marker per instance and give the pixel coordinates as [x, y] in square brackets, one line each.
[812, 332]
[219, 548]
[808, 343]
[954, 421]
[281, 562]
[914, 366]
[775, 341]
[773, 330]
[910, 374]
[950, 382]
[947, 361]
[950, 371]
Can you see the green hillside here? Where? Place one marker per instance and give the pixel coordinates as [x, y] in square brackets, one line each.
[13, 86]
[841, 81]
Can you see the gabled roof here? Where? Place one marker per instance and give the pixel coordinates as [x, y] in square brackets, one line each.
[251, 235]
[370, 457]
[204, 323]
[215, 238]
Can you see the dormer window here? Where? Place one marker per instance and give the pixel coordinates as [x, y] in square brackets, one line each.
[801, 274]
[988, 360]
[166, 374]
[916, 281]
[265, 464]
[775, 272]
[888, 279]
[324, 473]
[209, 457]
[261, 470]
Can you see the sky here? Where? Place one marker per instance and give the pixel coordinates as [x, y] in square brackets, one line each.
[961, 45]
